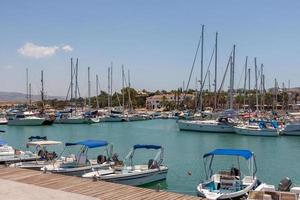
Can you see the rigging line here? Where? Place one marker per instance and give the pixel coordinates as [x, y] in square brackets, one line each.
[206, 74]
[222, 83]
[193, 65]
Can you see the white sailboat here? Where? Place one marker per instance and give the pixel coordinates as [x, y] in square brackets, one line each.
[134, 174]
[221, 125]
[229, 184]
[261, 128]
[3, 119]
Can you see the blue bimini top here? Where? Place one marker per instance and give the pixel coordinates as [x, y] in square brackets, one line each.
[230, 152]
[146, 146]
[89, 143]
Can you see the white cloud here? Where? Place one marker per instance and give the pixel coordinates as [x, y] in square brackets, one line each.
[67, 48]
[35, 51]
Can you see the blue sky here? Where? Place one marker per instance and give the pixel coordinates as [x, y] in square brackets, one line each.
[155, 39]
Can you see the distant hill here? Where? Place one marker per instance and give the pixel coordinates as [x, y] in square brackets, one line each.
[21, 97]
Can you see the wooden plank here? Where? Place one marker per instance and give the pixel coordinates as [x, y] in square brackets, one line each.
[98, 189]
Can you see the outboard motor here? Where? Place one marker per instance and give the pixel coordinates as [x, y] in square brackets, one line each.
[285, 184]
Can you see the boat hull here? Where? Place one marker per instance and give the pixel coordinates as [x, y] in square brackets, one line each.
[26, 122]
[203, 127]
[255, 132]
[291, 129]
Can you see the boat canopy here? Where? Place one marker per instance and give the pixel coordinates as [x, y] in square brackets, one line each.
[37, 138]
[230, 152]
[89, 143]
[146, 146]
[43, 143]
[2, 142]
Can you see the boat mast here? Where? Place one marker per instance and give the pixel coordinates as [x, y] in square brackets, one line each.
[245, 80]
[76, 80]
[262, 86]
[201, 75]
[89, 89]
[123, 90]
[111, 83]
[249, 83]
[232, 78]
[108, 89]
[256, 92]
[216, 67]
[129, 97]
[42, 90]
[30, 94]
[97, 91]
[27, 97]
[71, 79]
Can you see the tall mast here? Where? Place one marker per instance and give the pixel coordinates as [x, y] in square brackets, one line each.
[108, 88]
[42, 89]
[249, 83]
[71, 79]
[29, 94]
[208, 72]
[27, 89]
[97, 91]
[111, 83]
[216, 68]
[245, 80]
[76, 80]
[201, 75]
[262, 86]
[89, 89]
[256, 92]
[129, 96]
[232, 78]
[123, 90]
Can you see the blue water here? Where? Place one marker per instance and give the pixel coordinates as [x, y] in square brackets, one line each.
[276, 157]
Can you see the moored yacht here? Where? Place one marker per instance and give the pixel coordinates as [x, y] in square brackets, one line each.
[221, 125]
[25, 119]
[261, 128]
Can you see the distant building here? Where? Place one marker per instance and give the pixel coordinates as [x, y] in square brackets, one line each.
[156, 101]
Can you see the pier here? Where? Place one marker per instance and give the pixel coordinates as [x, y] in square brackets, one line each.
[67, 187]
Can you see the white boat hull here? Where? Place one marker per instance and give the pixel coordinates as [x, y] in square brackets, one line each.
[73, 121]
[204, 127]
[26, 122]
[112, 119]
[256, 132]
[291, 129]
[133, 178]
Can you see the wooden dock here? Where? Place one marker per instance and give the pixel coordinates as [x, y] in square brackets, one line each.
[88, 187]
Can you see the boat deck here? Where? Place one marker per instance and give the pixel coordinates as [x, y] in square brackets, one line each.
[87, 187]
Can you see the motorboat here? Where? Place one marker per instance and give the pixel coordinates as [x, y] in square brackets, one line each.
[6, 150]
[3, 119]
[261, 128]
[41, 148]
[220, 125]
[228, 184]
[9, 155]
[292, 127]
[134, 174]
[25, 119]
[285, 190]
[113, 117]
[76, 165]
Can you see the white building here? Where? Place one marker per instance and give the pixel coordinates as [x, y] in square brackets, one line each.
[155, 102]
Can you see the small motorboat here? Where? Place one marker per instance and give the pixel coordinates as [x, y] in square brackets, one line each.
[80, 164]
[286, 190]
[261, 128]
[41, 148]
[9, 155]
[227, 184]
[25, 119]
[134, 174]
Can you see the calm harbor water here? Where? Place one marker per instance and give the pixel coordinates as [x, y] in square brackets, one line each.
[276, 157]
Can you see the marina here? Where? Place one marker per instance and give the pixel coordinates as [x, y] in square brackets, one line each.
[183, 150]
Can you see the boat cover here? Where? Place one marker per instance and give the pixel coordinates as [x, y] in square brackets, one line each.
[146, 146]
[230, 152]
[89, 143]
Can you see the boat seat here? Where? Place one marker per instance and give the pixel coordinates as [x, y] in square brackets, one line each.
[227, 182]
[288, 196]
[273, 194]
[256, 195]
